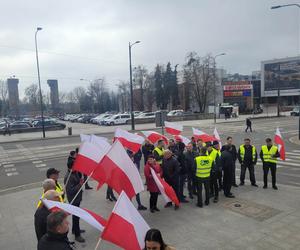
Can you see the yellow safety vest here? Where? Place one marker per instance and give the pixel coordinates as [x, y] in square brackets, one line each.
[213, 154]
[242, 152]
[203, 164]
[58, 189]
[267, 154]
[160, 152]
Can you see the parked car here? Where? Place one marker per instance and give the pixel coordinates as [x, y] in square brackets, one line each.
[146, 115]
[176, 112]
[21, 122]
[49, 125]
[295, 111]
[16, 128]
[101, 121]
[85, 118]
[117, 119]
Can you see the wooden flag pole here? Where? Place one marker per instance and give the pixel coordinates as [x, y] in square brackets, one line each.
[81, 187]
[98, 243]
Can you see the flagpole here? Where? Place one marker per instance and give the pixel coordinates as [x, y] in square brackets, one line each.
[67, 181]
[81, 187]
[98, 243]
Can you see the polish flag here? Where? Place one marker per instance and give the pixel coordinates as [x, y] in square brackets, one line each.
[173, 128]
[88, 216]
[154, 136]
[125, 227]
[198, 134]
[279, 141]
[165, 189]
[88, 158]
[100, 141]
[130, 141]
[84, 138]
[217, 136]
[119, 172]
[183, 139]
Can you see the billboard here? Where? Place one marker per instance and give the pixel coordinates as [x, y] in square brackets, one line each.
[283, 74]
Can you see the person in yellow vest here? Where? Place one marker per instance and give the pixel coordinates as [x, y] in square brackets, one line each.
[158, 151]
[203, 165]
[53, 174]
[200, 144]
[269, 154]
[48, 184]
[247, 156]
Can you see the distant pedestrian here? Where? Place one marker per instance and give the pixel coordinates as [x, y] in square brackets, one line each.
[269, 154]
[151, 185]
[56, 237]
[249, 125]
[7, 129]
[147, 149]
[227, 165]
[154, 241]
[247, 156]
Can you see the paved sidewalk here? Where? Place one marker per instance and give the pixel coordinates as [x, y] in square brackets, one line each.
[79, 128]
[265, 219]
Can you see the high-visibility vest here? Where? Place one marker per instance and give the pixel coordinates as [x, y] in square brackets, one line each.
[213, 154]
[203, 166]
[160, 152]
[242, 152]
[60, 189]
[43, 195]
[267, 154]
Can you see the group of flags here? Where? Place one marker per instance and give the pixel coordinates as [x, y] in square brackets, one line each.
[111, 164]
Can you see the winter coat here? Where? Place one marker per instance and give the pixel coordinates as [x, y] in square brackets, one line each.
[189, 157]
[73, 187]
[226, 161]
[52, 241]
[151, 185]
[171, 169]
[40, 221]
[147, 150]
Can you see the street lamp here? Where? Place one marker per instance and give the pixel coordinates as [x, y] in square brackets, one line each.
[215, 111]
[131, 87]
[39, 79]
[278, 91]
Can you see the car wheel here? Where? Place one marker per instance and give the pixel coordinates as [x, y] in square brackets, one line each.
[127, 122]
[111, 124]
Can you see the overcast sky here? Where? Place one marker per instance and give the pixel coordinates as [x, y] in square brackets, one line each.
[89, 39]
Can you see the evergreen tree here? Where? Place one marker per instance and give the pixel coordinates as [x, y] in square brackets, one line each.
[158, 78]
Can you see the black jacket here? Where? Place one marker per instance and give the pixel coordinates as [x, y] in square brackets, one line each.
[40, 221]
[73, 187]
[147, 150]
[171, 169]
[137, 157]
[233, 152]
[226, 161]
[70, 162]
[248, 159]
[51, 241]
[261, 155]
[189, 157]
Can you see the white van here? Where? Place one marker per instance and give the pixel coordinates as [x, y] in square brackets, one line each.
[117, 119]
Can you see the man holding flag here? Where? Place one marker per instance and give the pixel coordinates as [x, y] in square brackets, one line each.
[269, 154]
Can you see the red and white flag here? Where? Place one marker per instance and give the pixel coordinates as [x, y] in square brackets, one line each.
[173, 128]
[88, 216]
[279, 141]
[153, 136]
[165, 189]
[198, 134]
[130, 141]
[217, 136]
[183, 139]
[125, 227]
[88, 157]
[119, 172]
[100, 141]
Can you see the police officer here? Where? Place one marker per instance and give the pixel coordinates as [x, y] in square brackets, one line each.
[203, 167]
[247, 156]
[158, 152]
[269, 154]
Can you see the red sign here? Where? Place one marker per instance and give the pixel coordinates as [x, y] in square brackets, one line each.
[237, 83]
[233, 93]
[238, 87]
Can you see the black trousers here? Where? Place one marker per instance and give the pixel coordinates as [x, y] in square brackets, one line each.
[191, 184]
[248, 127]
[109, 193]
[182, 179]
[206, 183]
[153, 200]
[272, 167]
[251, 173]
[227, 181]
[75, 223]
[214, 187]
[220, 180]
[233, 175]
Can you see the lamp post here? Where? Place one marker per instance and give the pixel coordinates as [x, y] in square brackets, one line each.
[131, 87]
[215, 109]
[277, 7]
[39, 79]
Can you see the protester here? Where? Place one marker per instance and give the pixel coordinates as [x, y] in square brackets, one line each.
[203, 167]
[158, 151]
[247, 156]
[233, 151]
[171, 169]
[216, 146]
[193, 141]
[86, 185]
[151, 185]
[227, 165]
[249, 125]
[172, 147]
[53, 174]
[154, 241]
[48, 184]
[110, 194]
[189, 157]
[56, 237]
[200, 144]
[72, 188]
[147, 149]
[71, 159]
[40, 216]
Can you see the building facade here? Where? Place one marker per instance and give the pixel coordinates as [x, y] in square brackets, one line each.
[13, 96]
[54, 96]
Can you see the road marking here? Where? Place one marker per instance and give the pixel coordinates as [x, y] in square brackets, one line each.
[43, 169]
[292, 175]
[36, 162]
[291, 159]
[12, 173]
[10, 169]
[8, 165]
[297, 151]
[294, 154]
[41, 165]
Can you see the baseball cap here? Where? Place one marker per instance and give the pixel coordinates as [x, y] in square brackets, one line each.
[51, 171]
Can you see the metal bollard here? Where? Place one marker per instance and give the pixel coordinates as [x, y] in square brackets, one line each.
[69, 130]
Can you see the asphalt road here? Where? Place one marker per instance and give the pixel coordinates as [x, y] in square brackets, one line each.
[24, 163]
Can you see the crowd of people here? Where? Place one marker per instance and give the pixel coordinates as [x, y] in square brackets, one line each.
[190, 166]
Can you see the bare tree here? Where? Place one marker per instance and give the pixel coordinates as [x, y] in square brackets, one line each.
[97, 92]
[149, 91]
[198, 73]
[32, 96]
[140, 75]
[123, 96]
